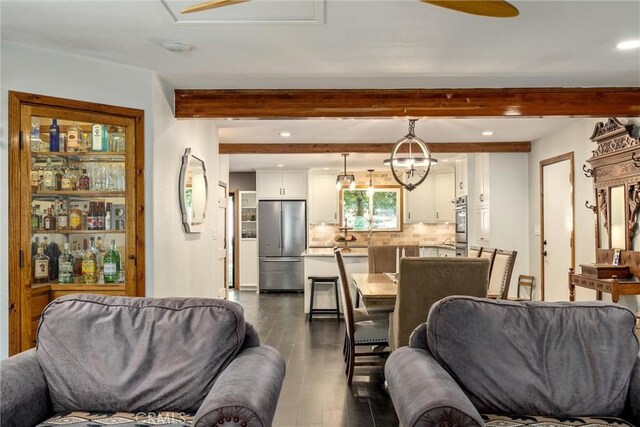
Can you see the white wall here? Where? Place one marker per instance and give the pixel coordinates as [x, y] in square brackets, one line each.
[185, 264]
[574, 137]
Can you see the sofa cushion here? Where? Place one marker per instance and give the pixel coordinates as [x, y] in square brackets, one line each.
[120, 419]
[103, 354]
[557, 359]
[533, 421]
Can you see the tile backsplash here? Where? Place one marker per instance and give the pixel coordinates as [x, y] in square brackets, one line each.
[421, 234]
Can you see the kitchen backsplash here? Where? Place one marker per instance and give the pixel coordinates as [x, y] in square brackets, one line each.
[421, 234]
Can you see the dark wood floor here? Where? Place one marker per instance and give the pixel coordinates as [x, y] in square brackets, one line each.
[315, 391]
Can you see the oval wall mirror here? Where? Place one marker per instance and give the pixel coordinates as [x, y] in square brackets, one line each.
[193, 192]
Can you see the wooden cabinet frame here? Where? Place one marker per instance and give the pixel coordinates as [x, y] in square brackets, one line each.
[23, 298]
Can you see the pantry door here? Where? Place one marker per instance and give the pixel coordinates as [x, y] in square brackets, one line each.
[557, 225]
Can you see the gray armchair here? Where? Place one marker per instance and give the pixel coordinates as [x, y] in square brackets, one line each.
[483, 362]
[126, 361]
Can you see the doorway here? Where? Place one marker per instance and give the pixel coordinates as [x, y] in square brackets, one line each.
[557, 217]
[232, 247]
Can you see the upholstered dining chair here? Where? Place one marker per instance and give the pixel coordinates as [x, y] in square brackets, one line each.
[524, 281]
[488, 253]
[423, 281]
[474, 252]
[382, 258]
[372, 331]
[500, 277]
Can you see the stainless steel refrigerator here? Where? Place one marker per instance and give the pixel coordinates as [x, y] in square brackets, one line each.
[282, 237]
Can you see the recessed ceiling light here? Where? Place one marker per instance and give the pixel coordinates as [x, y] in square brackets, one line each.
[285, 134]
[280, 166]
[326, 169]
[487, 133]
[174, 46]
[629, 44]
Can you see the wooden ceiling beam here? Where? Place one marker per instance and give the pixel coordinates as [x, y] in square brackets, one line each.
[443, 147]
[395, 103]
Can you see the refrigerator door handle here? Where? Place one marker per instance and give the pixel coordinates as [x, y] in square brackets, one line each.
[280, 231]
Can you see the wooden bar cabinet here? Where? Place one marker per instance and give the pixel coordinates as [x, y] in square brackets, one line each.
[76, 177]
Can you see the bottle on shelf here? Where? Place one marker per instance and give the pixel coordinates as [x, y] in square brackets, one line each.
[35, 134]
[92, 217]
[58, 178]
[74, 138]
[48, 177]
[97, 135]
[49, 223]
[107, 217]
[78, 254]
[112, 264]
[52, 250]
[86, 142]
[34, 176]
[63, 142]
[66, 182]
[101, 251]
[54, 136]
[84, 182]
[40, 263]
[100, 216]
[35, 217]
[90, 264]
[75, 218]
[85, 214]
[66, 266]
[62, 219]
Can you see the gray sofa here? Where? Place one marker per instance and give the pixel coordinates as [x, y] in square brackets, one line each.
[128, 361]
[482, 362]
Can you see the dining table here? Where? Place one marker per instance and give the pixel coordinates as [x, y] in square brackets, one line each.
[378, 291]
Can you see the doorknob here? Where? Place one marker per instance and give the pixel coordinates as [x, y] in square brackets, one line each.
[544, 253]
[544, 242]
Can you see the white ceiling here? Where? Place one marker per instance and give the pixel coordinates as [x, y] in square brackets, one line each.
[342, 44]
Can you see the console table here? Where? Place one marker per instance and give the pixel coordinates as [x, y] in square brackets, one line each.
[615, 287]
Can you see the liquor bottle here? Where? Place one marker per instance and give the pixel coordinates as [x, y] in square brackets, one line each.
[58, 178]
[116, 139]
[85, 213]
[86, 142]
[63, 142]
[90, 264]
[62, 219]
[74, 137]
[92, 219]
[65, 266]
[34, 176]
[112, 264]
[48, 180]
[96, 137]
[84, 182]
[35, 134]
[101, 251]
[54, 136]
[107, 218]
[35, 217]
[49, 222]
[66, 183]
[75, 218]
[78, 254]
[99, 215]
[40, 263]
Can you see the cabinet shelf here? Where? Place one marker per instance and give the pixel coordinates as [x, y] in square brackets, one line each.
[78, 193]
[77, 231]
[82, 156]
[78, 286]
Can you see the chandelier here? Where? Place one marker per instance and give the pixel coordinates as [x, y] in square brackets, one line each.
[344, 180]
[410, 166]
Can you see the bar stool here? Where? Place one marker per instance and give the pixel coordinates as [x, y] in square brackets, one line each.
[326, 280]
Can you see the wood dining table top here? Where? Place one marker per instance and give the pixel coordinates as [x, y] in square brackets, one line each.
[378, 291]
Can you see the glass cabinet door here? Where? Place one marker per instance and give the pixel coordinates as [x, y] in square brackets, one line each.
[79, 185]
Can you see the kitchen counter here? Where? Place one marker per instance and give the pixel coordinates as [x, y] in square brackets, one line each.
[328, 252]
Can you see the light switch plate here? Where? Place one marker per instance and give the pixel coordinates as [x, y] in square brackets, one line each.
[536, 230]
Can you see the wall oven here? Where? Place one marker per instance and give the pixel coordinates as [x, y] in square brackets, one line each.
[461, 219]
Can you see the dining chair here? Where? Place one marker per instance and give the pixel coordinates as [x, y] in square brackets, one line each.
[382, 258]
[500, 277]
[371, 332]
[423, 281]
[474, 252]
[489, 254]
[524, 281]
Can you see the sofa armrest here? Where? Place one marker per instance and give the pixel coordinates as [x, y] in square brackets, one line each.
[633, 399]
[25, 396]
[246, 392]
[424, 394]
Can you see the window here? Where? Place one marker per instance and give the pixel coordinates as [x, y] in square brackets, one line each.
[379, 211]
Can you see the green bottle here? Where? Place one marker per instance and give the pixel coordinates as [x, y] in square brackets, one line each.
[65, 266]
[111, 263]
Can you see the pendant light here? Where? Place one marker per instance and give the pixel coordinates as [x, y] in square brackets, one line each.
[344, 179]
[411, 167]
[370, 189]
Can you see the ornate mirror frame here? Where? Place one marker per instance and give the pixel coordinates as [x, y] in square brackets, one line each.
[192, 222]
[616, 162]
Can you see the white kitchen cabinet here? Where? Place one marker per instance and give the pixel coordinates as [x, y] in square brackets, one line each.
[442, 252]
[482, 175]
[483, 225]
[462, 179]
[248, 260]
[323, 199]
[282, 185]
[445, 197]
[419, 204]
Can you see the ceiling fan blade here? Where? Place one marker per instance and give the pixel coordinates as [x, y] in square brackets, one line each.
[210, 5]
[494, 8]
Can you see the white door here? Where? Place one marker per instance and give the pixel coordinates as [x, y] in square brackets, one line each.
[420, 203]
[461, 177]
[482, 179]
[294, 185]
[445, 193]
[557, 229]
[484, 226]
[323, 200]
